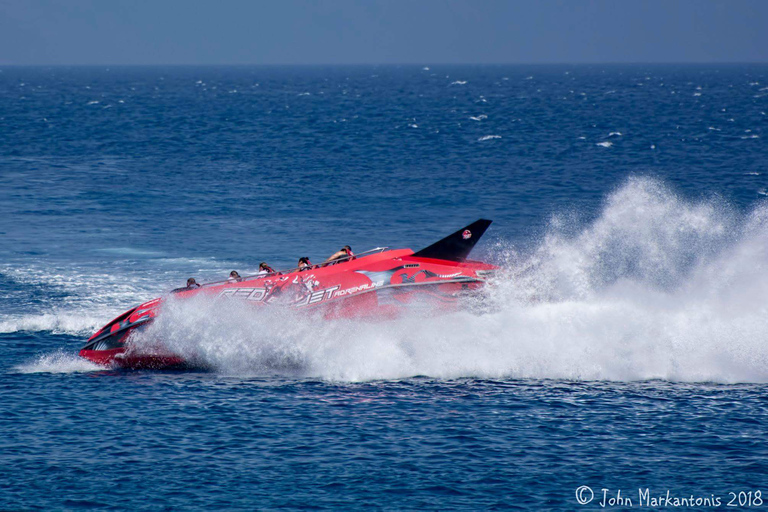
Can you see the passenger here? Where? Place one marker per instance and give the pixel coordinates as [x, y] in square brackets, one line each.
[265, 269]
[191, 285]
[345, 254]
[304, 264]
[234, 277]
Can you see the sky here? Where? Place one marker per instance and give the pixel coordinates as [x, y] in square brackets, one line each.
[195, 32]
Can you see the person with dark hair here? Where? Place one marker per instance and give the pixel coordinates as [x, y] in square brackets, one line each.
[234, 277]
[344, 254]
[304, 264]
[191, 285]
[265, 269]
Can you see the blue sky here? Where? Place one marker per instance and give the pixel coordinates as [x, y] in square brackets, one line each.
[381, 31]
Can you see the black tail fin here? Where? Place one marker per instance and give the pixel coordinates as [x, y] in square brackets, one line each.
[456, 247]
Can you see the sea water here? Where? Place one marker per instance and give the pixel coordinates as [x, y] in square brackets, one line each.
[621, 347]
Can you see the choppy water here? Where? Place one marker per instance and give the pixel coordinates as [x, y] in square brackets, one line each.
[622, 347]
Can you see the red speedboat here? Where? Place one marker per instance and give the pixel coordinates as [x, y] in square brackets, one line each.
[375, 284]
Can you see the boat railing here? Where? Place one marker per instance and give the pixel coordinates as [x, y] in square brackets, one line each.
[262, 275]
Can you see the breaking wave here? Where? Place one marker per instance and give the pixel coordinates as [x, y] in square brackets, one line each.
[73, 323]
[656, 287]
[77, 300]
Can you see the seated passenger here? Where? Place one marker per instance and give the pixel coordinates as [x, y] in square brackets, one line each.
[304, 264]
[345, 254]
[265, 269]
[191, 285]
[234, 277]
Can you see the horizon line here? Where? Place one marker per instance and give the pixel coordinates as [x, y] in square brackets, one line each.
[403, 64]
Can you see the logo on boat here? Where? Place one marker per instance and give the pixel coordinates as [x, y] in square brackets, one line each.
[355, 289]
[318, 296]
[254, 294]
[466, 235]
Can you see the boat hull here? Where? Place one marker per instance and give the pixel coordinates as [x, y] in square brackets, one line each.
[374, 287]
[121, 358]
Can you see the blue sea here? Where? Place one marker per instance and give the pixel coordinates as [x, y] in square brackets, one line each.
[622, 352]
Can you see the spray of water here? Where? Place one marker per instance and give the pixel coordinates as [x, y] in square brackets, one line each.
[654, 288]
[58, 362]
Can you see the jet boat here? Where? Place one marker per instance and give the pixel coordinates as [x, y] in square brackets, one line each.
[376, 284]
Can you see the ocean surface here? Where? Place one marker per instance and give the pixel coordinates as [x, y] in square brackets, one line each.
[625, 346]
